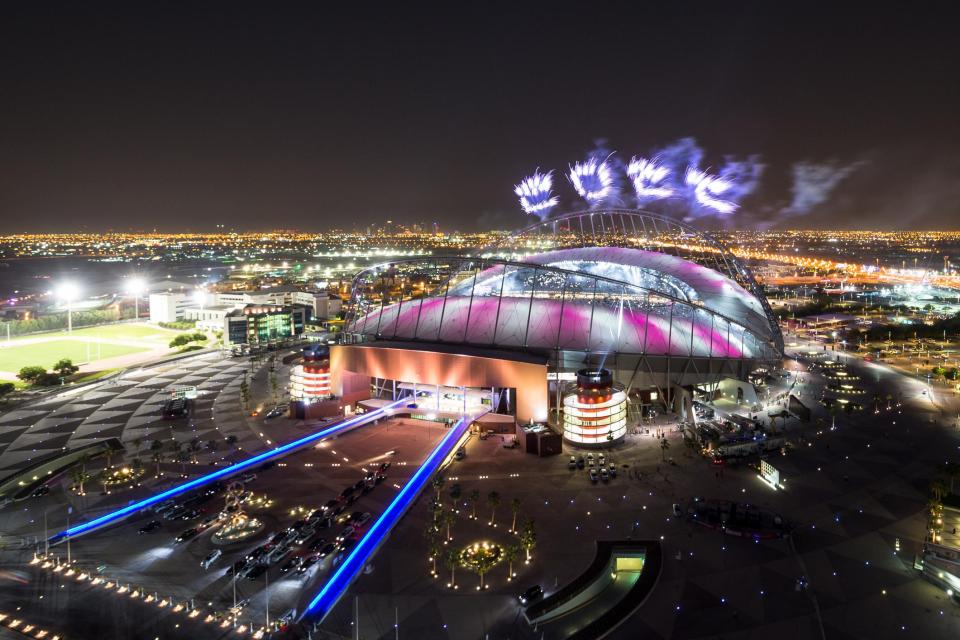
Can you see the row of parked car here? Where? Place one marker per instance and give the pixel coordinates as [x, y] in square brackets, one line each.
[282, 548]
[598, 468]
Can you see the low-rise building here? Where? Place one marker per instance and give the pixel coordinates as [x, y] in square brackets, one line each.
[264, 325]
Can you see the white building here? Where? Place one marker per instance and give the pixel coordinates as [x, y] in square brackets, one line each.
[168, 306]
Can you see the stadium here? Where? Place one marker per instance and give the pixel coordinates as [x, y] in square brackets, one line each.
[584, 321]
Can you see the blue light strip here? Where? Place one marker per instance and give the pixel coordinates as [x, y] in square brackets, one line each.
[367, 546]
[86, 527]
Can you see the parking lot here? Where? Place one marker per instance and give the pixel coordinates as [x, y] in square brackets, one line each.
[355, 475]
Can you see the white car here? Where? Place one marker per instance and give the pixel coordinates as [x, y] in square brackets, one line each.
[210, 559]
[593, 475]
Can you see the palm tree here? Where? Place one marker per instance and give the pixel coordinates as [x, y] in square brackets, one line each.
[664, 445]
[938, 489]
[481, 565]
[183, 457]
[451, 560]
[231, 440]
[474, 501]
[157, 459]
[438, 483]
[493, 501]
[528, 537]
[515, 509]
[952, 471]
[510, 553]
[434, 548]
[448, 518]
[78, 476]
[138, 443]
[194, 448]
[455, 493]
[212, 446]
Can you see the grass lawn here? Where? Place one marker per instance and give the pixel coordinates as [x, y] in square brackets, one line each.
[44, 354]
[139, 332]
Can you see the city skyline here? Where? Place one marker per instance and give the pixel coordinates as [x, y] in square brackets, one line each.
[315, 119]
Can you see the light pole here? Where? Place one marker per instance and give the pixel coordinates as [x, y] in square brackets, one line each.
[135, 287]
[68, 291]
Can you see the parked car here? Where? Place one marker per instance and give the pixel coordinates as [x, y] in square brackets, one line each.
[255, 572]
[363, 519]
[613, 470]
[186, 535]
[236, 567]
[347, 532]
[317, 544]
[308, 562]
[291, 564]
[573, 462]
[327, 549]
[150, 527]
[580, 463]
[531, 595]
[593, 475]
[604, 474]
[460, 454]
[212, 557]
[42, 490]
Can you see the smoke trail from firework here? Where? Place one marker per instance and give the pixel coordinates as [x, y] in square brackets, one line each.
[535, 194]
[813, 183]
[649, 179]
[593, 180]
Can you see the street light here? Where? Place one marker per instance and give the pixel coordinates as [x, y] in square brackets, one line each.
[68, 291]
[135, 287]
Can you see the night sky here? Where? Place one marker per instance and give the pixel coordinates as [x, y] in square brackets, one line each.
[182, 116]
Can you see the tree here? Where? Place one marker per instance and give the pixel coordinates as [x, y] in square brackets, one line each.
[434, 548]
[31, 374]
[138, 443]
[481, 565]
[448, 518]
[194, 448]
[515, 509]
[493, 501]
[245, 392]
[231, 440]
[212, 446]
[455, 492]
[528, 537]
[156, 447]
[6, 388]
[65, 367]
[438, 482]
[183, 457]
[136, 464]
[451, 560]
[474, 501]
[664, 445]
[78, 476]
[938, 489]
[510, 553]
[952, 471]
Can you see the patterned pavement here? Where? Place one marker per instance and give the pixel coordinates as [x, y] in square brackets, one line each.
[128, 408]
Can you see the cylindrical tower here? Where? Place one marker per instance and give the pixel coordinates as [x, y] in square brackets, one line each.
[595, 410]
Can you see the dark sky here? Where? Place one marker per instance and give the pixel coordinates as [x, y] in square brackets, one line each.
[276, 115]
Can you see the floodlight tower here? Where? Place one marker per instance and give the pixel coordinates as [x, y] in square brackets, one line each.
[136, 287]
[68, 291]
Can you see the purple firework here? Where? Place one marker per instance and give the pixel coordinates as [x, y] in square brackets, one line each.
[535, 194]
[592, 180]
[706, 188]
[649, 179]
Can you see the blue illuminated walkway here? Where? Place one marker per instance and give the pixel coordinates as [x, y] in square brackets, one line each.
[337, 585]
[313, 438]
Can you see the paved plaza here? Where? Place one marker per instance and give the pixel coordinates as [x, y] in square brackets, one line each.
[857, 495]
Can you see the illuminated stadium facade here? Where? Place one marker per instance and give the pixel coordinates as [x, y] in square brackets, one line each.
[662, 306]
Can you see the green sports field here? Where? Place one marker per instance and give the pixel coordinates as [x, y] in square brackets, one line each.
[83, 345]
[12, 359]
